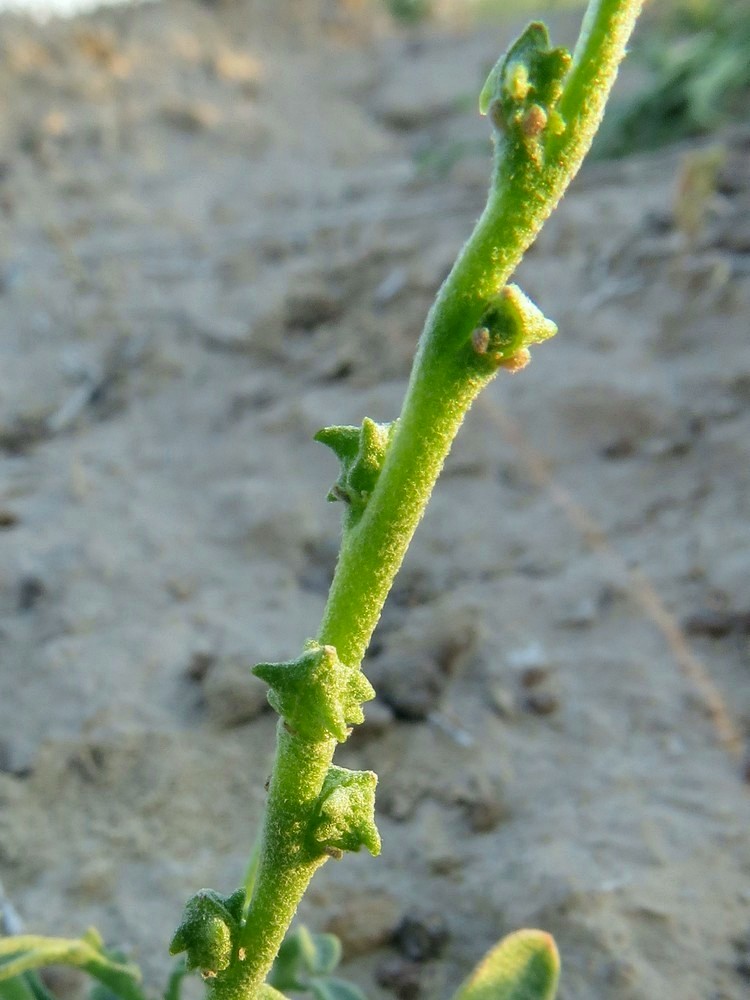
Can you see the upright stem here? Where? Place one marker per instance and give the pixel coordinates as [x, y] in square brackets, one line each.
[447, 375]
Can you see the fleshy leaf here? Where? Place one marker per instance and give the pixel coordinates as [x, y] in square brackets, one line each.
[29, 985]
[17, 988]
[208, 930]
[333, 988]
[317, 694]
[173, 990]
[302, 957]
[510, 325]
[523, 89]
[345, 819]
[24, 952]
[361, 451]
[523, 966]
[268, 992]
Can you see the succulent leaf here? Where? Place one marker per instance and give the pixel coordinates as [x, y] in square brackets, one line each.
[361, 451]
[317, 694]
[208, 930]
[523, 966]
[20, 954]
[333, 988]
[523, 89]
[302, 957]
[267, 992]
[509, 326]
[345, 817]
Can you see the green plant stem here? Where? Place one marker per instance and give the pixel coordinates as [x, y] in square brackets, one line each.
[446, 377]
[285, 865]
[442, 386]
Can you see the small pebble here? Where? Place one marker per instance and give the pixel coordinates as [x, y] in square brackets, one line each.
[63, 982]
[95, 881]
[239, 67]
[411, 684]
[420, 936]
[390, 287]
[542, 702]
[191, 116]
[200, 663]
[30, 590]
[399, 804]
[620, 972]
[7, 519]
[486, 813]
[445, 863]
[712, 623]
[527, 657]
[364, 922]
[581, 615]
[501, 699]
[309, 308]
[619, 448]
[403, 979]
[534, 676]
[233, 695]
[419, 660]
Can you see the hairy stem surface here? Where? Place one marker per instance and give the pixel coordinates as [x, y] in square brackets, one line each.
[540, 147]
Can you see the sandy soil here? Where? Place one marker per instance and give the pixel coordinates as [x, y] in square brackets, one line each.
[221, 230]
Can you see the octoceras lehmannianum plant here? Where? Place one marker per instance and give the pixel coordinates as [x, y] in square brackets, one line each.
[544, 105]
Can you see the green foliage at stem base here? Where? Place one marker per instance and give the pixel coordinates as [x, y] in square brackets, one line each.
[305, 964]
[523, 966]
[23, 953]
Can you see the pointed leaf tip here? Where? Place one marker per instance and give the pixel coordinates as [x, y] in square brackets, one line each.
[345, 818]
[208, 930]
[521, 93]
[523, 966]
[361, 452]
[509, 326]
[317, 694]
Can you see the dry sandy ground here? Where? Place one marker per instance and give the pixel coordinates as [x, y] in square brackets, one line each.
[220, 231]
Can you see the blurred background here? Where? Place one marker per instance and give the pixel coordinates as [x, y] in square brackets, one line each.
[221, 228]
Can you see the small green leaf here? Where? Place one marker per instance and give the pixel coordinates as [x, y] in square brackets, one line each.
[361, 452]
[38, 990]
[24, 952]
[509, 326]
[322, 952]
[345, 819]
[523, 89]
[410, 11]
[343, 442]
[208, 930]
[302, 957]
[317, 695]
[523, 966]
[267, 992]
[332, 988]
[174, 983]
[17, 988]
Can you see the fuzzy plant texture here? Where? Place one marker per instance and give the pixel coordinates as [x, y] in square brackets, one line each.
[544, 105]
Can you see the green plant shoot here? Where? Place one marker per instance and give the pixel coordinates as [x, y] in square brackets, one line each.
[544, 105]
